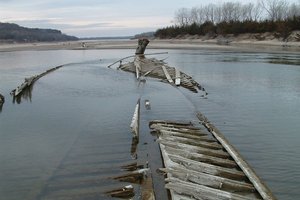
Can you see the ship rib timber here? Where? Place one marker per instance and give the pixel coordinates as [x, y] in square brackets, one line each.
[197, 171]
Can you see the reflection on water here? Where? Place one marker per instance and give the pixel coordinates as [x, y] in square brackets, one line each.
[74, 134]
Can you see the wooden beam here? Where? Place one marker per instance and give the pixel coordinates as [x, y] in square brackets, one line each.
[256, 181]
[177, 77]
[203, 192]
[167, 74]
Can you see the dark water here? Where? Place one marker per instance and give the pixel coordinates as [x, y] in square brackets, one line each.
[66, 138]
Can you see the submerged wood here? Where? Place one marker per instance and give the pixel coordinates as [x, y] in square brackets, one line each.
[155, 68]
[30, 81]
[136, 176]
[200, 167]
[263, 190]
[124, 192]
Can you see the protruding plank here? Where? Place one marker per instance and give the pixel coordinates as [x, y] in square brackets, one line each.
[177, 77]
[135, 120]
[167, 74]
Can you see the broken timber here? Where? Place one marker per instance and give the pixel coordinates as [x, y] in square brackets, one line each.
[30, 81]
[200, 165]
[143, 66]
[135, 120]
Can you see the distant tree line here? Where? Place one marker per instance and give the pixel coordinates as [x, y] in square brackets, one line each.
[14, 32]
[277, 16]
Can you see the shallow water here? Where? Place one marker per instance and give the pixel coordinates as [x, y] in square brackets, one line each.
[71, 133]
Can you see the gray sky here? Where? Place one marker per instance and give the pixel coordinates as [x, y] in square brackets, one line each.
[92, 18]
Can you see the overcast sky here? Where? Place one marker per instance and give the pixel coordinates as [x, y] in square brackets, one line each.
[91, 18]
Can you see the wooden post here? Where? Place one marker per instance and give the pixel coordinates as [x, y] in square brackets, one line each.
[142, 44]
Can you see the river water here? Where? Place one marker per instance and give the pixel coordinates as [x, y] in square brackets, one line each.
[70, 134]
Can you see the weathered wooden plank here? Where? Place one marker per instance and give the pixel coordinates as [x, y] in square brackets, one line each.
[135, 120]
[196, 149]
[186, 135]
[203, 192]
[125, 192]
[208, 168]
[256, 181]
[176, 126]
[167, 74]
[177, 77]
[203, 144]
[170, 123]
[208, 179]
[137, 66]
[201, 157]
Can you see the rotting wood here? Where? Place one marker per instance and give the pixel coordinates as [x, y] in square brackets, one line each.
[200, 172]
[208, 168]
[208, 179]
[135, 120]
[159, 69]
[142, 44]
[30, 81]
[177, 77]
[167, 74]
[132, 167]
[264, 191]
[202, 192]
[202, 158]
[136, 176]
[193, 149]
[124, 192]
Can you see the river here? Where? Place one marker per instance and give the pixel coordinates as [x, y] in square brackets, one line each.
[71, 132]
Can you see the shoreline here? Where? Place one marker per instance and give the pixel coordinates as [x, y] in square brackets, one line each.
[192, 44]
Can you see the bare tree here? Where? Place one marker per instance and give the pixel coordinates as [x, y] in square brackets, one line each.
[276, 9]
[182, 17]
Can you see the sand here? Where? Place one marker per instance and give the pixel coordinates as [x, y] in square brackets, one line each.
[241, 45]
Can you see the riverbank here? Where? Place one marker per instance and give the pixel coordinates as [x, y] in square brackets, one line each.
[186, 43]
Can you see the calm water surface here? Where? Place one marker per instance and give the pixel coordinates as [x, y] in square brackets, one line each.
[70, 134]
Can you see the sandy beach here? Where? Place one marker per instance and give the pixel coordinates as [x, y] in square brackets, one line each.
[241, 45]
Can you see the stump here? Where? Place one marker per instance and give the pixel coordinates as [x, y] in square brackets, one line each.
[142, 44]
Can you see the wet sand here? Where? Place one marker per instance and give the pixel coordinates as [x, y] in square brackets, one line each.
[244, 45]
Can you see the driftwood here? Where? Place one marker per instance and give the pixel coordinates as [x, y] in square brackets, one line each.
[201, 166]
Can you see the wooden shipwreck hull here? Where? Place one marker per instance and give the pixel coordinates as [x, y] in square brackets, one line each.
[152, 67]
[199, 165]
